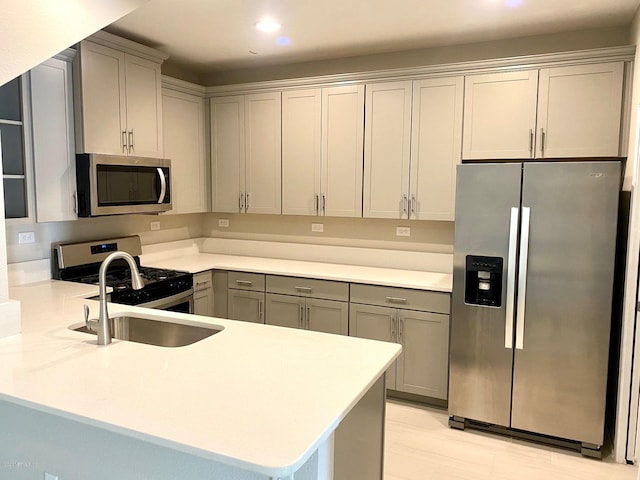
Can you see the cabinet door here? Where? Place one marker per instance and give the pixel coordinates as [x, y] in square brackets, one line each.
[423, 365]
[301, 133]
[263, 151]
[285, 311]
[203, 294]
[375, 323]
[245, 305]
[342, 150]
[435, 147]
[101, 121]
[500, 115]
[144, 107]
[227, 153]
[387, 146]
[184, 144]
[53, 141]
[328, 316]
[579, 111]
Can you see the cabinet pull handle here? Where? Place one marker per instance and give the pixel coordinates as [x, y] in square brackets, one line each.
[304, 289]
[412, 205]
[400, 328]
[324, 204]
[543, 137]
[261, 311]
[246, 202]
[316, 208]
[241, 202]
[396, 300]
[131, 140]
[301, 315]
[531, 141]
[392, 320]
[404, 204]
[125, 147]
[75, 201]
[244, 283]
[308, 315]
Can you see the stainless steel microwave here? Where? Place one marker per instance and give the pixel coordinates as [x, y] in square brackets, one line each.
[111, 184]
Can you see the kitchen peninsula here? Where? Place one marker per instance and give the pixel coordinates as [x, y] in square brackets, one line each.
[251, 402]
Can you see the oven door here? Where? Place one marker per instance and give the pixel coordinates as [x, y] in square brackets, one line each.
[180, 302]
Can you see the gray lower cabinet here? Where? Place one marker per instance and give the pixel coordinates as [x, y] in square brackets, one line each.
[311, 304]
[329, 316]
[423, 365]
[245, 296]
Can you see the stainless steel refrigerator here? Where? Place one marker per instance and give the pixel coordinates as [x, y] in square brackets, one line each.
[532, 292]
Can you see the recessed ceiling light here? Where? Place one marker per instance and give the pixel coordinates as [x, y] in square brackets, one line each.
[268, 26]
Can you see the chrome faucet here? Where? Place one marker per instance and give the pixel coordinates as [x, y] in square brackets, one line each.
[103, 326]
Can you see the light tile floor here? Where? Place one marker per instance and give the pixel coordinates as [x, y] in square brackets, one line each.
[421, 446]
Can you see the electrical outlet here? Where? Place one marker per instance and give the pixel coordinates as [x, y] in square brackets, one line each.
[155, 225]
[403, 231]
[26, 237]
[223, 222]
[317, 227]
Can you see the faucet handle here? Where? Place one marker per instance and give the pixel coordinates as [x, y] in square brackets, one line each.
[92, 324]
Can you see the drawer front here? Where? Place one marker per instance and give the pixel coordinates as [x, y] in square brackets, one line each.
[424, 300]
[308, 287]
[246, 281]
[202, 281]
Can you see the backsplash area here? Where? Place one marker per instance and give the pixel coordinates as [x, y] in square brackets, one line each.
[424, 236]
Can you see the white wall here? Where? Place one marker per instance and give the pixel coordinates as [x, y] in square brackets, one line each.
[626, 416]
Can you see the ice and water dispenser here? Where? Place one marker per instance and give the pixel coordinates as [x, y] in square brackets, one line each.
[483, 284]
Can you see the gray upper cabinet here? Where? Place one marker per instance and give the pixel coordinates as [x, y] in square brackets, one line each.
[557, 112]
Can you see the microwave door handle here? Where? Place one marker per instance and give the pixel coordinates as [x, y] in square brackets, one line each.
[163, 184]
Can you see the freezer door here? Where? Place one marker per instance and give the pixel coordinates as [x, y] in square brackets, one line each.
[560, 374]
[480, 363]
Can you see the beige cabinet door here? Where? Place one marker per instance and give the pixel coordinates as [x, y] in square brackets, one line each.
[144, 107]
[285, 310]
[53, 141]
[301, 135]
[436, 144]
[263, 153]
[387, 145]
[500, 115]
[579, 111]
[342, 150]
[423, 365]
[245, 305]
[227, 153]
[203, 293]
[327, 316]
[375, 323]
[101, 124]
[184, 143]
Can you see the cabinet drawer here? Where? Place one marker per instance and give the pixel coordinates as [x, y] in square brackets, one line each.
[401, 298]
[246, 281]
[202, 281]
[308, 287]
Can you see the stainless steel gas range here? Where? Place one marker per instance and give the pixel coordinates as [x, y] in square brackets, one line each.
[163, 290]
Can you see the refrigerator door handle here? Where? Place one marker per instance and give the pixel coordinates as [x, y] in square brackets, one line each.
[522, 277]
[511, 279]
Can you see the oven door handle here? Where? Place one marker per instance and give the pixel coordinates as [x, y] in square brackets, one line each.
[167, 301]
[163, 184]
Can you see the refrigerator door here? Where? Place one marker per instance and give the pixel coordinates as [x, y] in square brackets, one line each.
[481, 355]
[560, 374]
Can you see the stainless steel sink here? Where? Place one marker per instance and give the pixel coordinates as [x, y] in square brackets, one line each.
[154, 332]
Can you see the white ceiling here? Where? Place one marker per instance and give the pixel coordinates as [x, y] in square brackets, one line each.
[210, 35]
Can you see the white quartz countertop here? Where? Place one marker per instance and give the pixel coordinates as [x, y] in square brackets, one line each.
[199, 262]
[257, 397]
